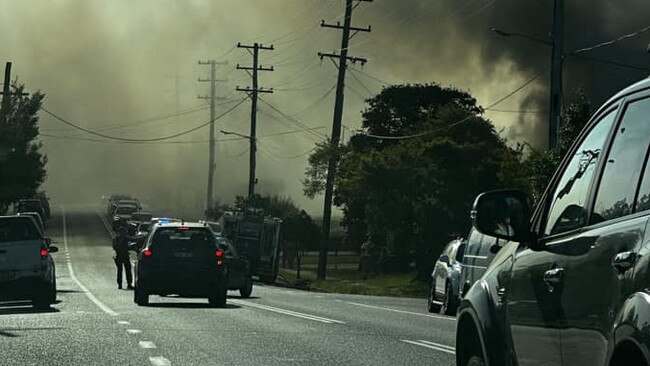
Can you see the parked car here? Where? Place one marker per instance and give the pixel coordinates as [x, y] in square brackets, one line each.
[31, 205]
[571, 285]
[27, 271]
[182, 259]
[479, 252]
[239, 274]
[122, 214]
[445, 279]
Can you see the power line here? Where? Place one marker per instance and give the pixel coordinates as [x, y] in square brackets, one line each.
[61, 119]
[613, 63]
[301, 155]
[371, 94]
[613, 41]
[315, 103]
[292, 119]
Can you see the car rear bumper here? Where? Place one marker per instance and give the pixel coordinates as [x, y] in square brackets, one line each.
[181, 284]
[23, 288]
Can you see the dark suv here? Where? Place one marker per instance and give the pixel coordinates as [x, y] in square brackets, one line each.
[182, 259]
[572, 286]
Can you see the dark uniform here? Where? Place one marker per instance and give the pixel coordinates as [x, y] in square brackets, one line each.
[122, 260]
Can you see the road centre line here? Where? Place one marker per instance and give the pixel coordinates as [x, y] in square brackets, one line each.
[397, 311]
[146, 344]
[287, 312]
[133, 331]
[83, 288]
[431, 345]
[123, 322]
[159, 361]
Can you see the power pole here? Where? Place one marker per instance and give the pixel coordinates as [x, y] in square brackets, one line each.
[253, 93]
[212, 98]
[6, 93]
[557, 39]
[343, 60]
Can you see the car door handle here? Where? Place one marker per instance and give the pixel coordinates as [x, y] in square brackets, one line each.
[553, 277]
[624, 261]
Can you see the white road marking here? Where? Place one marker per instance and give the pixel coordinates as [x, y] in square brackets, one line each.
[159, 361]
[432, 345]
[146, 344]
[123, 322]
[133, 331]
[287, 312]
[106, 225]
[83, 288]
[398, 311]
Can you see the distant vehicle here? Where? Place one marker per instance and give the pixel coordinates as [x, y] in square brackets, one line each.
[239, 274]
[257, 238]
[215, 226]
[112, 202]
[45, 202]
[570, 286]
[181, 259]
[143, 229]
[37, 220]
[479, 252]
[31, 205]
[122, 214]
[445, 279]
[136, 219]
[27, 271]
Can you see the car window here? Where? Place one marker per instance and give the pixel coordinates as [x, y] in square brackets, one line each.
[624, 164]
[18, 230]
[567, 208]
[460, 252]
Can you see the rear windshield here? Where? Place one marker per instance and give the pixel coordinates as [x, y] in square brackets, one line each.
[144, 227]
[177, 238]
[141, 217]
[125, 210]
[18, 230]
[30, 206]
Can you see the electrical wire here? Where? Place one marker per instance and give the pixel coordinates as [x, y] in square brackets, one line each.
[315, 103]
[613, 41]
[63, 120]
[292, 119]
[370, 94]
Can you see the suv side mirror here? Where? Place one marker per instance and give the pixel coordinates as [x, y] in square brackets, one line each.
[53, 249]
[503, 214]
[444, 259]
[47, 241]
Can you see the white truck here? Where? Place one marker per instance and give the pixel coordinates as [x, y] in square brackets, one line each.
[27, 270]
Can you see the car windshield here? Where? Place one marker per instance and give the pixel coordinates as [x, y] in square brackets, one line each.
[141, 217]
[18, 230]
[125, 210]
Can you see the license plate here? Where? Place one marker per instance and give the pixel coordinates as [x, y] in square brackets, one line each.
[184, 255]
[7, 276]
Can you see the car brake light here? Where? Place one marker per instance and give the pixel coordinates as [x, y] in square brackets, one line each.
[44, 252]
[183, 228]
[219, 254]
[147, 253]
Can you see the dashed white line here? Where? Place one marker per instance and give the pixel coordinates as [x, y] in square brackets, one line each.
[83, 288]
[159, 361]
[287, 312]
[432, 345]
[133, 331]
[146, 344]
[123, 322]
[397, 311]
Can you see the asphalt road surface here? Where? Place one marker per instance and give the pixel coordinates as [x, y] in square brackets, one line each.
[94, 323]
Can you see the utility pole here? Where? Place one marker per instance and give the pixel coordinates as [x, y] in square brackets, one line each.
[6, 93]
[253, 93]
[557, 40]
[343, 60]
[212, 98]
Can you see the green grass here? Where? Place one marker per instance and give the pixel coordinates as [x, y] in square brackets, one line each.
[355, 282]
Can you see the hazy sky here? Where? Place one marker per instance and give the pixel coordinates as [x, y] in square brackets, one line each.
[109, 65]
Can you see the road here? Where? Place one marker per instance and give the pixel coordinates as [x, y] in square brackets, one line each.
[94, 323]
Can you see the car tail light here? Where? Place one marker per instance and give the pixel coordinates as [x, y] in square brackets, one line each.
[147, 252]
[183, 228]
[219, 254]
[44, 252]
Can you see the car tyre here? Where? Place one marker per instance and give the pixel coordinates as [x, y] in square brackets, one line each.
[475, 361]
[247, 290]
[53, 293]
[449, 304]
[140, 296]
[218, 297]
[433, 307]
[41, 300]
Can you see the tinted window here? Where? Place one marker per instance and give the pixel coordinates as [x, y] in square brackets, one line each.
[624, 164]
[122, 210]
[567, 210]
[18, 230]
[174, 239]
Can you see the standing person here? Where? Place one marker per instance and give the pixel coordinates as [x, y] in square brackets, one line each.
[122, 259]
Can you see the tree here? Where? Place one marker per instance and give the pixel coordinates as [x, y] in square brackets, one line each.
[408, 195]
[22, 165]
